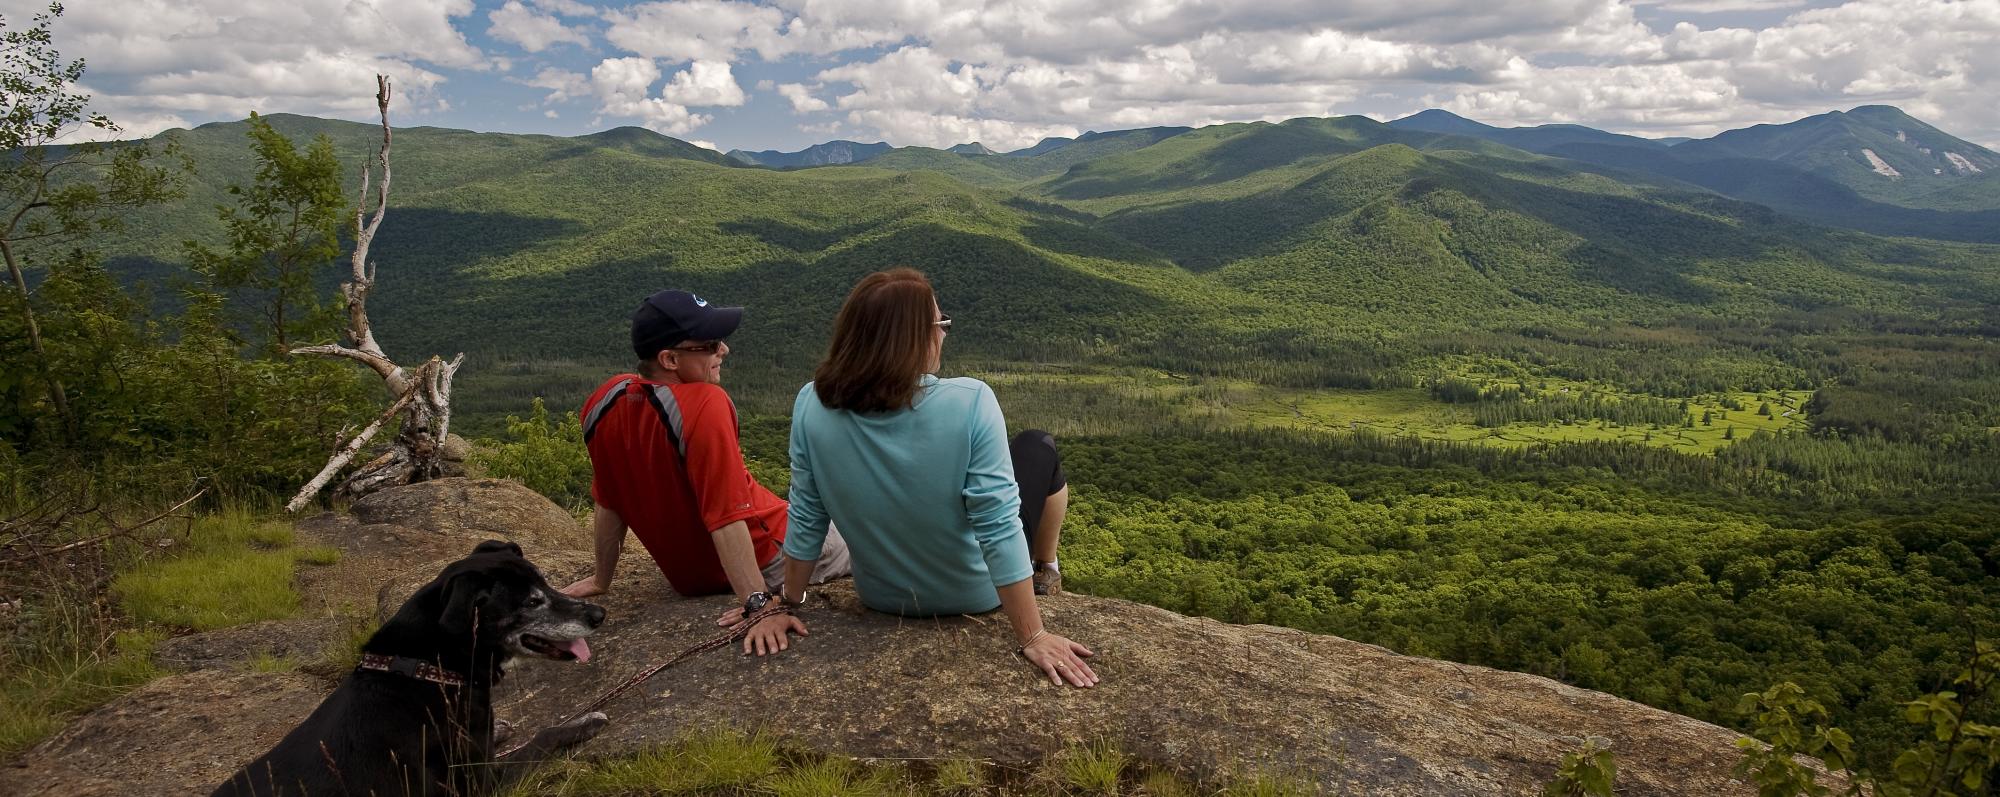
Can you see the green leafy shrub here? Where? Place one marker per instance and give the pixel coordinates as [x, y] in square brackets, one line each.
[1588, 772]
[1957, 756]
[546, 454]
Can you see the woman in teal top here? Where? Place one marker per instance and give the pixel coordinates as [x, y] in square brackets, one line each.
[918, 474]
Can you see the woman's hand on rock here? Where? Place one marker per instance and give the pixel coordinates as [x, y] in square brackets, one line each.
[1061, 660]
[769, 634]
[586, 587]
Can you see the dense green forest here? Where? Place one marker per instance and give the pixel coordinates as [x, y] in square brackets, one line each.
[1646, 438]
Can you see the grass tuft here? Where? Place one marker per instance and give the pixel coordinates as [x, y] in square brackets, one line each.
[52, 680]
[266, 662]
[1267, 786]
[959, 776]
[237, 569]
[1094, 768]
[829, 776]
[1161, 783]
[210, 590]
[723, 761]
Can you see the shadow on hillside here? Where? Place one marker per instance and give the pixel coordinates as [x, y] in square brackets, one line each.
[1264, 146]
[1634, 245]
[796, 237]
[427, 257]
[1796, 192]
[1008, 300]
[1081, 241]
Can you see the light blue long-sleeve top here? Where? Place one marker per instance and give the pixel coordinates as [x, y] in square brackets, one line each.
[925, 498]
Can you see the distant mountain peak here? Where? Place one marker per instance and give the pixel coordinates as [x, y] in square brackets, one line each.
[831, 153]
[974, 148]
[1439, 120]
[1048, 144]
[1880, 111]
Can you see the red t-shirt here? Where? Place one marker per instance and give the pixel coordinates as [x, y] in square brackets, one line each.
[637, 470]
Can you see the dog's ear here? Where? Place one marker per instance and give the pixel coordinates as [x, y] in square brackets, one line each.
[463, 597]
[497, 546]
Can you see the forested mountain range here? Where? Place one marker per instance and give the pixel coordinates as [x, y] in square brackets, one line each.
[1159, 296]
[831, 153]
[1310, 230]
[1873, 168]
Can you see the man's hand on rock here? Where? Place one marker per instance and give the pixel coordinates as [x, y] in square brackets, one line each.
[587, 587]
[1061, 659]
[769, 634]
[730, 618]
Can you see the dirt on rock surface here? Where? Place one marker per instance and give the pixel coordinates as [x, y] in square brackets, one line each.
[1208, 698]
[1212, 699]
[476, 509]
[180, 735]
[297, 641]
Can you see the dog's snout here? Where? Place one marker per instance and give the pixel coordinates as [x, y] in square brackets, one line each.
[593, 614]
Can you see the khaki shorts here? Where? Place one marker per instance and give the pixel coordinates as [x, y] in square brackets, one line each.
[833, 563]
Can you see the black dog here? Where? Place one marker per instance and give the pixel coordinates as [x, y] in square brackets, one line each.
[416, 718]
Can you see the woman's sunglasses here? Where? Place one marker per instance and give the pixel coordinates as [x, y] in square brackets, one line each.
[943, 322]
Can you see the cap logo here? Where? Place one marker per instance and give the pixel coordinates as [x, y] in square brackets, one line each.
[698, 301]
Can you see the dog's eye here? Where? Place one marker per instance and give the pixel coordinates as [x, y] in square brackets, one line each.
[535, 601]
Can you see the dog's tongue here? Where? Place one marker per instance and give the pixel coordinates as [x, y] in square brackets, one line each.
[580, 649]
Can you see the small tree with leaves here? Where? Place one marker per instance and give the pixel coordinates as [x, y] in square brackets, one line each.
[56, 194]
[1957, 756]
[1588, 772]
[283, 233]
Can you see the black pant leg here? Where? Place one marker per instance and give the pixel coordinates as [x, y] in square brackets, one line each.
[1038, 471]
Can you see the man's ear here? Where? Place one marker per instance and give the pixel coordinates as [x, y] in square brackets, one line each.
[463, 597]
[497, 546]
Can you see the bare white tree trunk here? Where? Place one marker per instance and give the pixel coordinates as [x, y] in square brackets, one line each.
[422, 396]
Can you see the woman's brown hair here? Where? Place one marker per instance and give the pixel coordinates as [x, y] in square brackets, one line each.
[881, 344]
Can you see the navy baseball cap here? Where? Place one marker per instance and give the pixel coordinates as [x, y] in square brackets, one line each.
[669, 317]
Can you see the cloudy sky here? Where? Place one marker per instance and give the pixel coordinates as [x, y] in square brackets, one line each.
[787, 73]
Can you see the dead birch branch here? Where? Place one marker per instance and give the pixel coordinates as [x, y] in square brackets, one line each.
[422, 396]
[344, 456]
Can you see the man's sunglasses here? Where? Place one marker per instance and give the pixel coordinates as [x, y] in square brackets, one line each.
[944, 321]
[710, 347]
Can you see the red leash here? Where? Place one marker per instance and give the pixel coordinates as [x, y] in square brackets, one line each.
[742, 630]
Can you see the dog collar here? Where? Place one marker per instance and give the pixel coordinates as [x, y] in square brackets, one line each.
[409, 667]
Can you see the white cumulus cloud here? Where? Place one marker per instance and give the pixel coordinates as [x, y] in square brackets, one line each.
[156, 63]
[801, 98]
[534, 31]
[623, 86]
[704, 83]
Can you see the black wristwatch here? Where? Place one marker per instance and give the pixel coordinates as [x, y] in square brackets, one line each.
[756, 603]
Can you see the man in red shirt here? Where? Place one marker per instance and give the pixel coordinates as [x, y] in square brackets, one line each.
[666, 462]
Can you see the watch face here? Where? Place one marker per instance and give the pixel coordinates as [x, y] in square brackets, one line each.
[756, 603]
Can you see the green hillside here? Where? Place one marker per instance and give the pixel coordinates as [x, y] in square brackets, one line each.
[517, 246]
[990, 169]
[1416, 388]
[1874, 168]
[1540, 138]
[1879, 151]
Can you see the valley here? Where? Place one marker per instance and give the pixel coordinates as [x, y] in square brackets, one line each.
[1461, 391]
